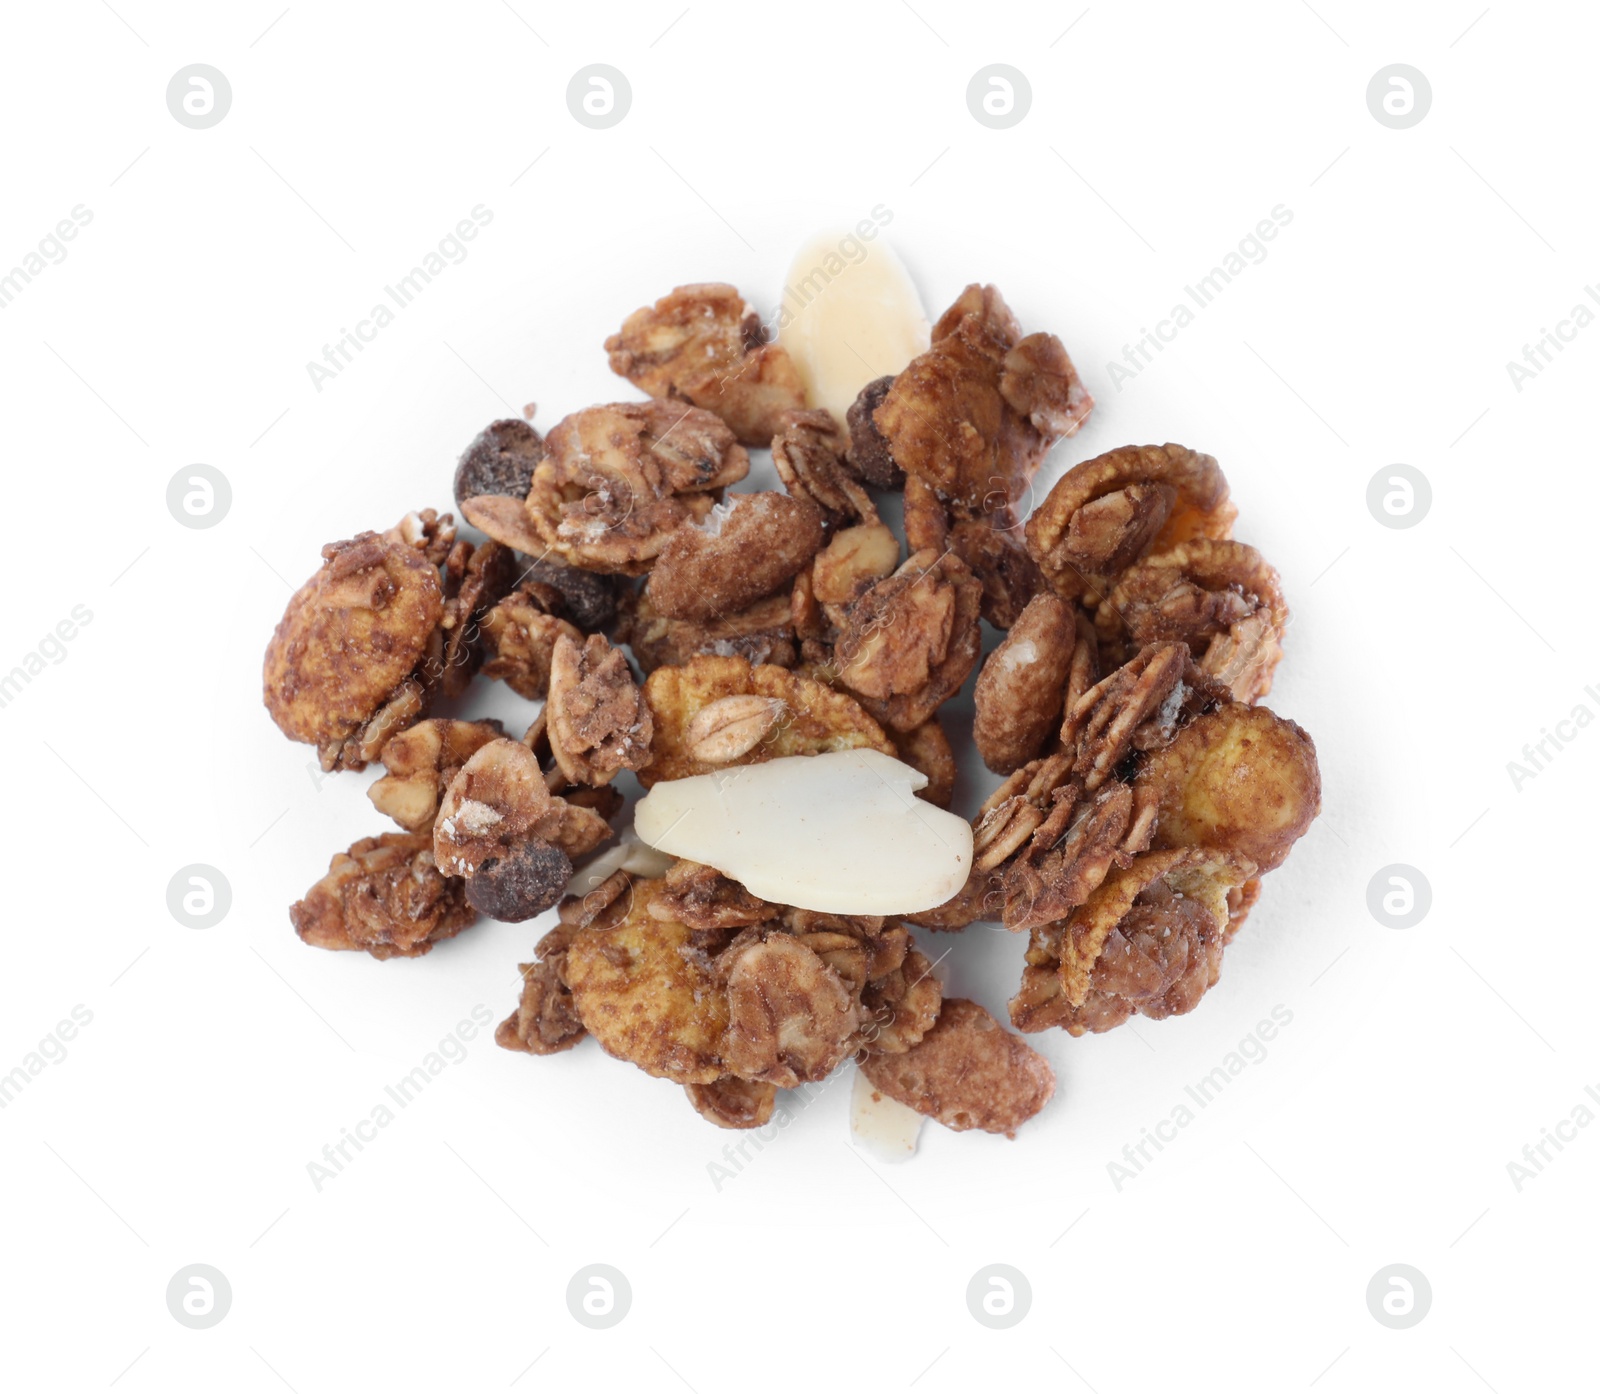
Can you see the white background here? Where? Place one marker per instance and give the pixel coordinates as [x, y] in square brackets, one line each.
[219, 1062]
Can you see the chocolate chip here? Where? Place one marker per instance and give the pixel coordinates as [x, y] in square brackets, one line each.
[500, 460]
[528, 879]
[588, 598]
[869, 451]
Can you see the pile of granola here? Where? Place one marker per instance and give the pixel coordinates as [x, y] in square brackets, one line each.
[671, 626]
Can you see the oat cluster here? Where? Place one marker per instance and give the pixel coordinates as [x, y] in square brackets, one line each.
[671, 625]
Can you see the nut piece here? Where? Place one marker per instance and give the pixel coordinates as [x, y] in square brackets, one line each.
[910, 641]
[385, 895]
[733, 1103]
[545, 1022]
[967, 1072]
[526, 881]
[421, 762]
[790, 1015]
[975, 414]
[500, 460]
[747, 547]
[869, 452]
[1241, 780]
[498, 800]
[645, 990]
[703, 344]
[762, 634]
[614, 483]
[815, 718]
[520, 635]
[730, 727]
[349, 640]
[1021, 688]
[1221, 598]
[598, 720]
[1104, 514]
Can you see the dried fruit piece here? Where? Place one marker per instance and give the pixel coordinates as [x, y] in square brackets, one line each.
[386, 895]
[967, 1072]
[1023, 683]
[764, 633]
[546, 1022]
[1104, 514]
[350, 639]
[524, 881]
[790, 1016]
[733, 1103]
[703, 344]
[1221, 598]
[1239, 779]
[816, 718]
[587, 598]
[869, 452]
[730, 727]
[419, 764]
[910, 641]
[500, 799]
[645, 990]
[598, 720]
[747, 547]
[500, 460]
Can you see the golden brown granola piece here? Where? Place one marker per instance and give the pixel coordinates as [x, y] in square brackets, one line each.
[1104, 514]
[385, 895]
[854, 560]
[809, 454]
[475, 578]
[968, 1071]
[975, 414]
[909, 642]
[1022, 687]
[868, 453]
[903, 1004]
[816, 718]
[500, 799]
[733, 1103]
[763, 633]
[1221, 598]
[616, 481]
[749, 546]
[703, 344]
[1239, 779]
[790, 1016]
[926, 749]
[351, 638]
[520, 635]
[703, 898]
[419, 764]
[1149, 940]
[644, 988]
[1138, 707]
[992, 548]
[1241, 901]
[982, 898]
[598, 720]
[927, 524]
[1070, 854]
[545, 1022]
[731, 727]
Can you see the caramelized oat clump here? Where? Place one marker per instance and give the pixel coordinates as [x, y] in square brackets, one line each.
[386, 895]
[703, 345]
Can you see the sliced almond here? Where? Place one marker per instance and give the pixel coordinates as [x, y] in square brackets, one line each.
[731, 727]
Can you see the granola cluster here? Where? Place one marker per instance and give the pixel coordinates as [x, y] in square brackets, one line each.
[669, 627]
